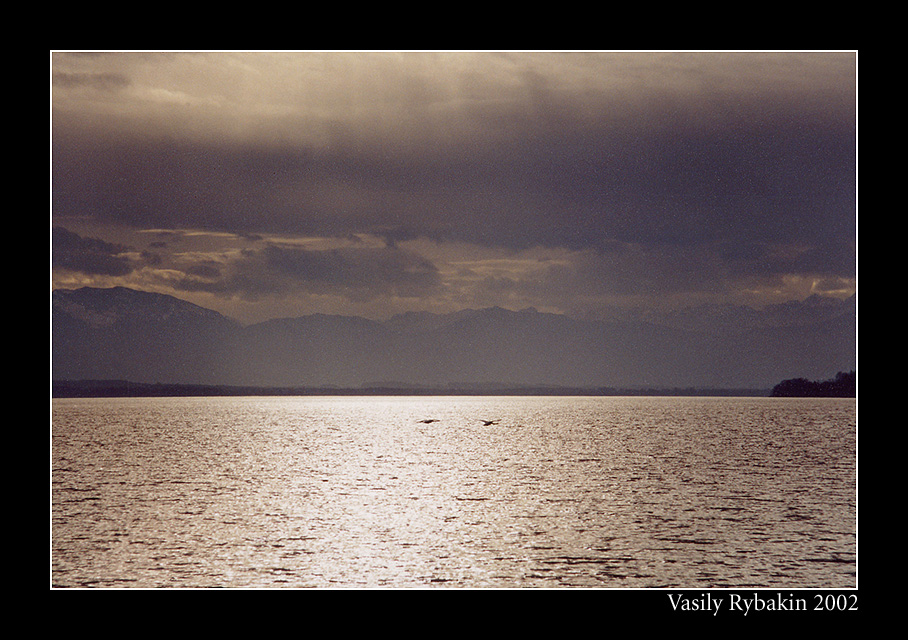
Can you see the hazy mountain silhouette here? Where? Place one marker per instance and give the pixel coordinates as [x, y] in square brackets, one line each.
[121, 334]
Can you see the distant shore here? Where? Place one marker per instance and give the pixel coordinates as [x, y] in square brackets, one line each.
[126, 389]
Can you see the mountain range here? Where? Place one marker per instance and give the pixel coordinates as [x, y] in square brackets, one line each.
[124, 334]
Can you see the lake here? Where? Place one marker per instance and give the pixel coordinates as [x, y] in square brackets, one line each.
[359, 492]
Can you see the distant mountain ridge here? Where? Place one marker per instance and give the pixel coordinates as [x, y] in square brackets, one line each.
[123, 334]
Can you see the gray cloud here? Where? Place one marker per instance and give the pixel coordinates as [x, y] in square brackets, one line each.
[649, 186]
[99, 81]
[91, 256]
[678, 171]
[377, 271]
[355, 273]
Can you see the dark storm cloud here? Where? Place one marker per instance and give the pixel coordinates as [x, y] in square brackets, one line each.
[833, 258]
[383, 271]
[91, 256]
[580, 191]
[205, 270]
[356, 273]
[674, 170]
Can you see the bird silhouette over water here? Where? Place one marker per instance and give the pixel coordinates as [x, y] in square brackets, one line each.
[489, 422]
[428, 421]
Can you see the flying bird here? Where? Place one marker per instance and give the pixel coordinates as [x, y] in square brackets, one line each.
[489, 422]
[429, 421]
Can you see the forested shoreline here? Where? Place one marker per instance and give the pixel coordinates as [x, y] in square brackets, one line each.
[843, 385]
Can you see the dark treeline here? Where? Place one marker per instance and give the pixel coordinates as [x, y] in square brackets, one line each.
[126, 389]
[843, 385]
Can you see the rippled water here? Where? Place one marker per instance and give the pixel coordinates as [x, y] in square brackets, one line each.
[356, 492]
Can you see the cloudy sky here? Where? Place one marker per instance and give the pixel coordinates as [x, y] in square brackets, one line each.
[272, 184]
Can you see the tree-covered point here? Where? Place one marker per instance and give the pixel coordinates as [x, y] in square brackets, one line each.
[843, 385]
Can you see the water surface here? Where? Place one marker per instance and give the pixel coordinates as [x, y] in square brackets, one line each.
[347, 492]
